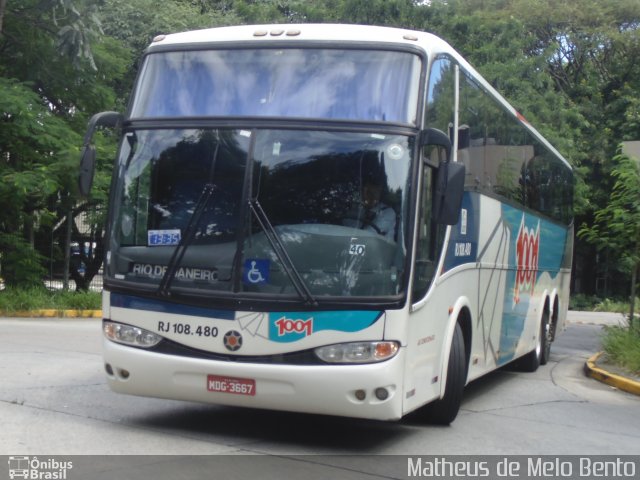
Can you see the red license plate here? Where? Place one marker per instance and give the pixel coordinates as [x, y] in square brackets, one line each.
[237, 386]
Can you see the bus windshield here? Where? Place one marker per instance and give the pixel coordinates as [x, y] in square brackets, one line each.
[338, 84]
[323, 211]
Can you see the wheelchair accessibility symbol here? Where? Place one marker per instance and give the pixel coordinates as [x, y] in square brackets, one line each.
[256, 271]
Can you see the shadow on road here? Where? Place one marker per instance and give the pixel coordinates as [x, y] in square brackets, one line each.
[242, 425]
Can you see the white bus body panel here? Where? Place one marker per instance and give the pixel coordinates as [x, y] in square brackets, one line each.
[320, 389]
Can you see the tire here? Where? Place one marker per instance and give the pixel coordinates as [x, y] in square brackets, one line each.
[445, 410]
[545, 334]
[540, 354]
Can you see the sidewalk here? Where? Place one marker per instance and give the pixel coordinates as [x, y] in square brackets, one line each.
[596, 318]
[597, 367]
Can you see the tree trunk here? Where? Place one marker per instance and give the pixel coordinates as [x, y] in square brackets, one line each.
[634, 277]
[67, 251]
[3, 7]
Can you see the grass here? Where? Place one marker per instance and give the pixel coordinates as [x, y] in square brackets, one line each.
[622, 346]
[597, 304]
[21, 299]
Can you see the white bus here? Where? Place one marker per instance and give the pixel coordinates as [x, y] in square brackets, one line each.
[335, 219]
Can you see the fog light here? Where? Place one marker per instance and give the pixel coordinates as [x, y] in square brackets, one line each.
[382, 393]
[108, 368]
[129, 335]
[361, 395]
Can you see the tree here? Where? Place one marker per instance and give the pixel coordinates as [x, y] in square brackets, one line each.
[570, 68]
[591, 50]
[616, 226]
[48, 80]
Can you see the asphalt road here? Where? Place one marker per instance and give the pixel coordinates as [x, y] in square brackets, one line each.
[54, 401]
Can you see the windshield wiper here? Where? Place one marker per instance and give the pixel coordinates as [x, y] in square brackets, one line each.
[186, 240]
[281, 252]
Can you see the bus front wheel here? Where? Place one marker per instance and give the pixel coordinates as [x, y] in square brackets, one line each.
[445, 410]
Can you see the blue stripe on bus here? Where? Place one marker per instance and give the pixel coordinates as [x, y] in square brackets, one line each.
[160, 306]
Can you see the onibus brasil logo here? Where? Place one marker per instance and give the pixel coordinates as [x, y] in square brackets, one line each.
[527, 251]
[38, 469]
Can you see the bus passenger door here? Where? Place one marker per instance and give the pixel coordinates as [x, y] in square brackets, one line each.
[427, 326]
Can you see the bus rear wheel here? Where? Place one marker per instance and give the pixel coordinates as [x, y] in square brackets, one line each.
[539, 355]
[445, 410]
[545, 337]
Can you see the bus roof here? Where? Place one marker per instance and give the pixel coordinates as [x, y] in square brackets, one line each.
[305, 32]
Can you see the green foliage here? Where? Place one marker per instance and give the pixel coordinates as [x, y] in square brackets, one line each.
[38, 148]
[583, 302]
[592, 303]
[136, 23]
[614, 305]
[616, 226]
[23, 299]
[21, 264]
[622, 346]
[54, 71]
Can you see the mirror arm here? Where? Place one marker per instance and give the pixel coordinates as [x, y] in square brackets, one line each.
[433, 136]
[103, 119]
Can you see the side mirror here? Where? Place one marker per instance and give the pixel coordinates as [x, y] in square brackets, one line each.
[448, 193]
[449, 182]
[87, 169]
[88, 154]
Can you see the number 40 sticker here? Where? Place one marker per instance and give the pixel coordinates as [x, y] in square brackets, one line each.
[357, 249]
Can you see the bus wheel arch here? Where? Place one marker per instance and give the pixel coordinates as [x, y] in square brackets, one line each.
[444, 410]
[540, 354]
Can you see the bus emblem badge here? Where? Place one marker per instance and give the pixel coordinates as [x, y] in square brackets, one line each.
[232, 340]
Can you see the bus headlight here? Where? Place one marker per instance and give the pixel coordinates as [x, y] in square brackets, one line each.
[357, 352]
[129, 335]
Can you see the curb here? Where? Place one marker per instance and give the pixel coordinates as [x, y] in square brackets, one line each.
[611, 379]
[53, 313]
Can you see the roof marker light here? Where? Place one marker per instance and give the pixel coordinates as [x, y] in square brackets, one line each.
[408, 36]
[293, 33]
[276, 33]
[159, 38]
[260, 33]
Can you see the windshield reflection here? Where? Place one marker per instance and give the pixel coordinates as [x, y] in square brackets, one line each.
[302, 83]
[323, 213]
